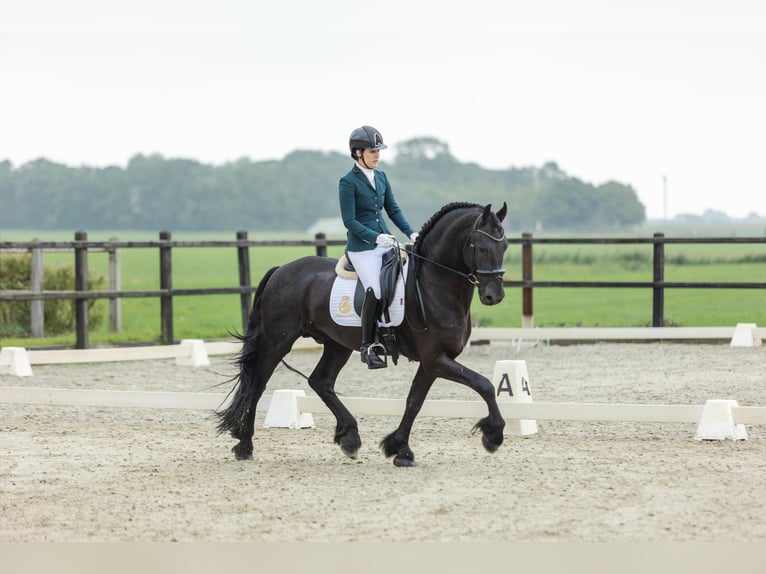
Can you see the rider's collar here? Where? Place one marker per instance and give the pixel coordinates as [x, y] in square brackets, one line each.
[369, 173]
[365, 170]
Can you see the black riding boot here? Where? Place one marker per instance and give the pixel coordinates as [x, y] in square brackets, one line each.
[370, 309]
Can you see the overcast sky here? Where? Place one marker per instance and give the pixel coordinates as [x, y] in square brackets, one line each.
[631, 91]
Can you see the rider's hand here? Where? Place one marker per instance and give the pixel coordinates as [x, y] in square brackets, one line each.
[414, 236]
[385, 240]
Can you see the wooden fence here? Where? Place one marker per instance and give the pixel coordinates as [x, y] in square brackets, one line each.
[81, 247]
[657, 284]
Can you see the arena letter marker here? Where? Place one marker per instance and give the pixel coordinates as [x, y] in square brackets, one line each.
[512, 385]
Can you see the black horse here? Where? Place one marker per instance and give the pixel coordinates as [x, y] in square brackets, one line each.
[460, 248]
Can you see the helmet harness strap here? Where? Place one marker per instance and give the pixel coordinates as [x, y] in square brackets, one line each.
[361, 159]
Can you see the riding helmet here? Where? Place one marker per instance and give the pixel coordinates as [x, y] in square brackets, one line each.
[365, 137]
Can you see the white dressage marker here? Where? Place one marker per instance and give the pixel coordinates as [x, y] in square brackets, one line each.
[744, 336]
[284, 411]
[15, 361]
[717, 422]
[512, 386]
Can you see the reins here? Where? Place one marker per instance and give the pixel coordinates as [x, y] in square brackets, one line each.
[472, 277]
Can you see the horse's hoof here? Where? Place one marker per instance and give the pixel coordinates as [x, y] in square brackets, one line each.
[349, 444]
[489, 446]
[241, 453]
[404, 462]
[352, 454]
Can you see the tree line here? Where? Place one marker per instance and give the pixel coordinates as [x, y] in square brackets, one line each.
[153, 193]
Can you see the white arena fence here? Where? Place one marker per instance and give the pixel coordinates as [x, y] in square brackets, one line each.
[307, 405]
[195, 352]
[715, 420]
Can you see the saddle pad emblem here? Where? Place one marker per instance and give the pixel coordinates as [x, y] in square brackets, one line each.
[345, 306]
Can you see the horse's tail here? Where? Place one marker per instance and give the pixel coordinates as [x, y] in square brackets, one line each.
[231, 418]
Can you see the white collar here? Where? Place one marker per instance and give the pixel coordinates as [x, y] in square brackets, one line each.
[366, 170]
[370, 173]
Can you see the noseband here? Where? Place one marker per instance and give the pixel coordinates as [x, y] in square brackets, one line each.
[481, 276]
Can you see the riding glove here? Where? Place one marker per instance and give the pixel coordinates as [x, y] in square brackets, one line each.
[385, 240]
[414, 236]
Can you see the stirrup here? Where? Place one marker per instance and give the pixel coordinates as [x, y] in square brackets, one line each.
[373, 359]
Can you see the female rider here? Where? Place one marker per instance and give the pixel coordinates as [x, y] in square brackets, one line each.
[364, 194]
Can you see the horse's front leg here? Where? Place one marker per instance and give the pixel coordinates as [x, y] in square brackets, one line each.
[492, 426]
[397, 443]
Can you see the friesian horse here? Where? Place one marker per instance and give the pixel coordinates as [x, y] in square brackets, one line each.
[459, 249]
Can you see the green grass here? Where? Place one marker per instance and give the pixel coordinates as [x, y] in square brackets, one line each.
[625, 307]
[212, 316]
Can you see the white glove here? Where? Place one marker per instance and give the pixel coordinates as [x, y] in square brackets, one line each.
[414, 236]
[384, 240]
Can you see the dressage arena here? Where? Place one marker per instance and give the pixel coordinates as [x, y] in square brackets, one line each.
[152, 474]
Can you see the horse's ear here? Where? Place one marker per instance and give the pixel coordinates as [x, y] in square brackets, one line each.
[487, 211]
[502, 213]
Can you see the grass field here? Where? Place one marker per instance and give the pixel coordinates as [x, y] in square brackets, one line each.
[213, 316]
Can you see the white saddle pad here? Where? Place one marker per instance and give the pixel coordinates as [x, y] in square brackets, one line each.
[342, 303]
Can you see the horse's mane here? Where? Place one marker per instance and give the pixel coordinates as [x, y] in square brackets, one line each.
[428, 225]
[431, 223]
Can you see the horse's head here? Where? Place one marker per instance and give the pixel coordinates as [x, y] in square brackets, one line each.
[483, 254]
[480, 231]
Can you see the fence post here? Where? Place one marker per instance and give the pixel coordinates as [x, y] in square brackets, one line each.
[36, 315]
[243, 258]
[321, 243]
[166, 282]
[527, 314]
[81, 285]
[658, 303]
[115, 282]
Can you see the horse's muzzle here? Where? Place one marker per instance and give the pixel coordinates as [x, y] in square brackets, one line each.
[492, 292]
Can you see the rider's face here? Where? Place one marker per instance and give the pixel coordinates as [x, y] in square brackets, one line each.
[370, 158]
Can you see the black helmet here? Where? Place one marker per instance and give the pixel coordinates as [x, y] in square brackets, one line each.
[365, 137]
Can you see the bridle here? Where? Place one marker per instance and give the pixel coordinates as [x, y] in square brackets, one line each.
[477, 274]
[476, 277]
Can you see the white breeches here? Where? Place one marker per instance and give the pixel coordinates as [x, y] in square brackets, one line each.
[367, 265]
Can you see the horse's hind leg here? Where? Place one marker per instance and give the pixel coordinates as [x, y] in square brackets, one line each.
[397, 443]
[258, 370]
[322, 381]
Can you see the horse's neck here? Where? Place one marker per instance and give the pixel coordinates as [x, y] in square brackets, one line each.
[448, 292]
[446, 245]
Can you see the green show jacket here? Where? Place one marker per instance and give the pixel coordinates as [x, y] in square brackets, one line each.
[361, 208]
